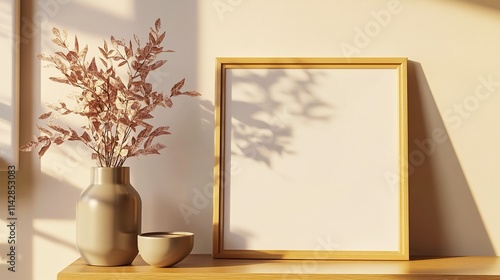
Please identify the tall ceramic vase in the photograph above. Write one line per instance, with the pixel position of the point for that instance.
(108, 218)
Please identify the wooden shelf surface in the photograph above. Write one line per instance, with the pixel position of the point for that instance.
(205, 267)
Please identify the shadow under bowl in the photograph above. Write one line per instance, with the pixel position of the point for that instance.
(162, 249)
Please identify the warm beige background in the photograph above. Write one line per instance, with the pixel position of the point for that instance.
(454, 87)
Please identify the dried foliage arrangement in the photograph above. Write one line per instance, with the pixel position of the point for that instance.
(116, 109)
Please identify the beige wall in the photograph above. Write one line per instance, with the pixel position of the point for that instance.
(454, 93)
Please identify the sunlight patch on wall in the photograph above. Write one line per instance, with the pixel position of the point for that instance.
(55, 232)
(3, 239)
(5, 129)
(4, 98)
(55, 238)
(126, 8)
(69, 163)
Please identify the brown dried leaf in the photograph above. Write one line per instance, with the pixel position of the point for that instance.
(64, 34)
(103, 62)
(114, 42)
(144, 116)
(160, 38)
(162, 130)
(42, 138)
(72, 56)
(56, 32)
(92, 67)
(158, 24)
(53, 107)
(137, 41)
(58, 42)
(74, 135)
(191, 93)
(61, 54)
(157, 65)
(177, 87)
(73, 78)
(77, 47)
(59, 129)
(28, 147)
(103, 52)
(85, 137)
(58, 140)
(83, 53)
(44, 116)
(152, 39)
(121, 42)
(144, 133)
(148, 142)
(44, 130)
(105, 46)
(168, 102)
(44, 148)
(97, 125)
(60, 80)
(42, 56)
(153, 149)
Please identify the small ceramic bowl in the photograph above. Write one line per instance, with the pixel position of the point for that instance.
(162, 249)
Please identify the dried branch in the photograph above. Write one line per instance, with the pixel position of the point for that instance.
(116, 110)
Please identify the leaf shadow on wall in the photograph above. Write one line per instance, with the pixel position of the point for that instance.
(262, 126)
(444, 218)
(262, 108)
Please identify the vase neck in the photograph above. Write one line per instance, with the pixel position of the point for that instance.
(115, 175)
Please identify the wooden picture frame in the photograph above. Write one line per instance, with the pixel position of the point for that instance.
(9, 83)
(311, 158)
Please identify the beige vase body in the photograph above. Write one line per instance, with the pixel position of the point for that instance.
(108, 218)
